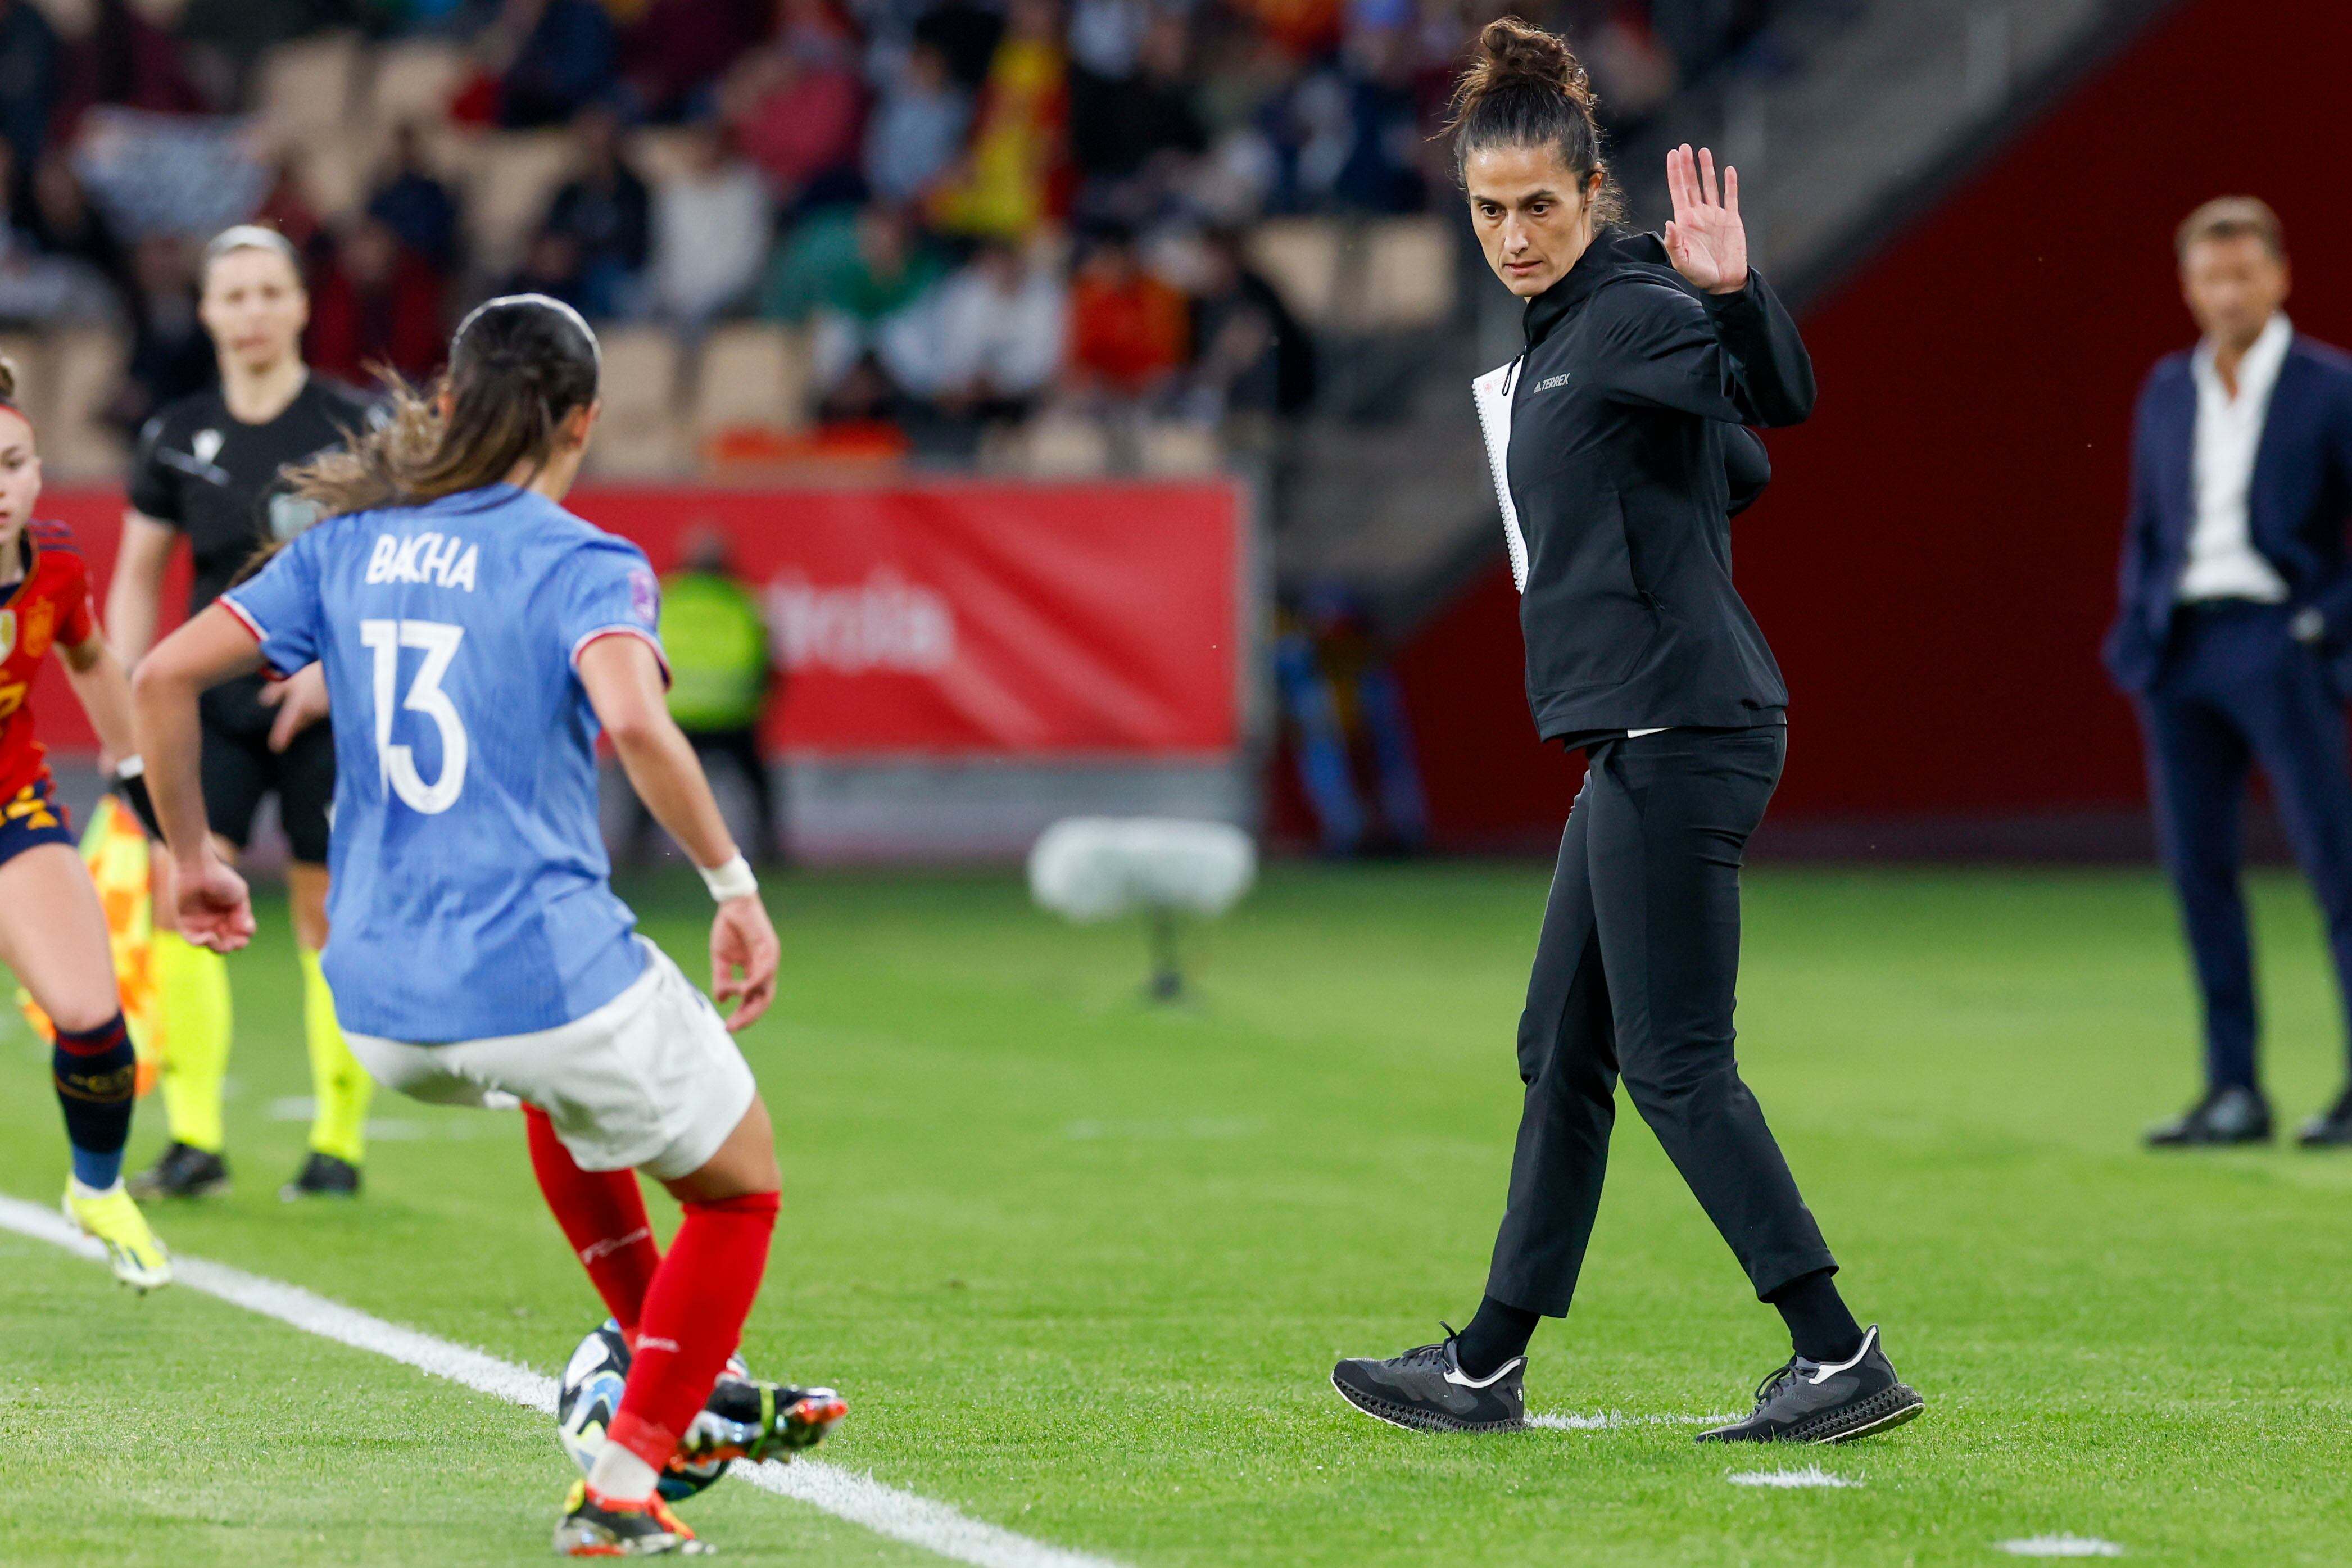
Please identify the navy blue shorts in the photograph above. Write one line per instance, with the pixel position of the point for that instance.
(34, 817)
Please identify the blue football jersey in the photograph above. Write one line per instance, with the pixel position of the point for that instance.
(470, 891)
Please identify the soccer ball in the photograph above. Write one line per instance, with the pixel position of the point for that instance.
(591, 1396)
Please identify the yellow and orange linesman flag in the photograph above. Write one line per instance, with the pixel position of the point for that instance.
(115, 849)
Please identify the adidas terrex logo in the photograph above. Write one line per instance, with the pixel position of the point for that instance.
(1548, 382)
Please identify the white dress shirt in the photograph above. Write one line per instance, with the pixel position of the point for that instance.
(2222, 560)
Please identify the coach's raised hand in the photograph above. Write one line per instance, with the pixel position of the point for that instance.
(1706, 239)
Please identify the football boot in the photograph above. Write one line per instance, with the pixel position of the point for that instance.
(137, 1259)
(593, 1526)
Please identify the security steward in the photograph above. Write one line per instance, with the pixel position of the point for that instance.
(721, 676)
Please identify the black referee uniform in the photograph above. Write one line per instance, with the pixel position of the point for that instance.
(219, 481)
(1610, 438)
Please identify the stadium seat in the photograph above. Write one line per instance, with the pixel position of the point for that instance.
(752, 375)
(85, 366)
(638, 433)
(1064, 446)
(414, 79)
(305, 87)
(515, 174)
(659, 154)
(334, 172)
(1408, 277)
(1300, 256)
(1176, 449)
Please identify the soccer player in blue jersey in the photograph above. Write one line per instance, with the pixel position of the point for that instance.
(476, 638)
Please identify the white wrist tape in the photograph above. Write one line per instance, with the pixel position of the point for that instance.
(732, 880)
(130, 768)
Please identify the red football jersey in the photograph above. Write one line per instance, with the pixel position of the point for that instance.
(51, 604)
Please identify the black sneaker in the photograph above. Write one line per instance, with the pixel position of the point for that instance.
(1817, 1401)
(2225, 1116)
(184, 1171)
(1426, 1390)
(2332, 1128)
(591, 1527)
(322, 1177)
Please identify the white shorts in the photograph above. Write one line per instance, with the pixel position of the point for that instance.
(651, 1080)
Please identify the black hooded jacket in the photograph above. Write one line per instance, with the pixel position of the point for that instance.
(1616, 442)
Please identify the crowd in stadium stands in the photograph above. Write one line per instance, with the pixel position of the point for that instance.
(972, 208)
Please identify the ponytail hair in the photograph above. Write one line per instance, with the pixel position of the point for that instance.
(518, 366)
(1525, 88)
(7, 383)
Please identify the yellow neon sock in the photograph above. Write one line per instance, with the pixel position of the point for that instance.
(192, 1004)
(341, 1085)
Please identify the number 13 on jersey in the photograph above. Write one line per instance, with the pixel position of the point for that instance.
(397, 764)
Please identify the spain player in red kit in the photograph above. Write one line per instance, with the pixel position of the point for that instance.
(52, 931)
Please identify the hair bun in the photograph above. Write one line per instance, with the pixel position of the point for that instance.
(1509, 51)
(7, 379)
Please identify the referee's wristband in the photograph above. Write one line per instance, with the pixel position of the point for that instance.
(732, 880)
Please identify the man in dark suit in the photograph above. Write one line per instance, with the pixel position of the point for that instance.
(2234, 635)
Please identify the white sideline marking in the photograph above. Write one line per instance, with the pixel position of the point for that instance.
(1610, 1420)
(2061, 1546)
(859, 1499)
(1811, 1476)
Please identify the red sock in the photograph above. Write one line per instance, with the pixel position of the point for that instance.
(603, 1216)
(693, 1320)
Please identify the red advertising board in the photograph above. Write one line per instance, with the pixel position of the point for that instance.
(956, 619)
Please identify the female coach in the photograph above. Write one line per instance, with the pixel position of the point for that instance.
(1609, 437)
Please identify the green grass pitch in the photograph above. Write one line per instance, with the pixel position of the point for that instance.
(1082, 1265)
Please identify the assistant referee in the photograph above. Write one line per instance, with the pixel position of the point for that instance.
(1609, 437)
(207, 468)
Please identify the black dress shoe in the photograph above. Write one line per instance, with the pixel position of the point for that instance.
(184, 1172)
(2224, 1116)
(2332, 1128)
(322, 1177)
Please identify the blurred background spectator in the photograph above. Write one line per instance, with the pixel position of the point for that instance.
(711, 225)
(676, 50)
(796, 105)
(28, 78)
(593, 243)
(559, 56)
(42, 279)
(888, 189)
(1128, 330)
(171, 354)
(917, 127)
(871, 308)
(376, 302)
(985, 346)
(414, 203)
(721, 681)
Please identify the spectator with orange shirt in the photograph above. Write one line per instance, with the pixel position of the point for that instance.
(1129, 330)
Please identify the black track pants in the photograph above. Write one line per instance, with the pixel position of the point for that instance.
(1634, 976)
